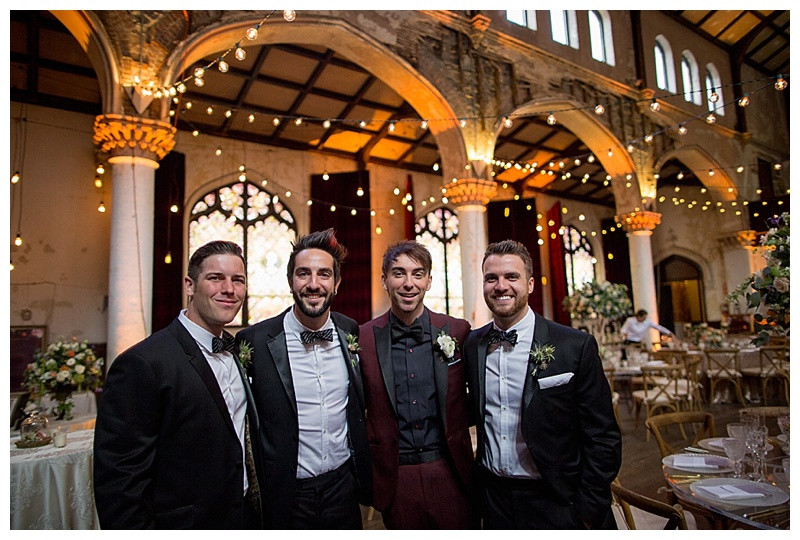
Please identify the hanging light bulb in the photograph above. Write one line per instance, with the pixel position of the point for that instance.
(168, 257)
(98, 183)
(325, 176)
(396, 191)
(648, 138)
(610, 153)
(630, 148)
(251, 118)
(210, 110)
(326, 124)
(680, 175)
(391, 127)
(188, 104)
(333, 208)
(101, 208)
(223, 66)
(218, 151)
(289, 15)
(15, 177)
(714, 97)
(174, 209)
(199, 72)
(195, 133)
(507, 122)
(11, 265)
(378, 230)
(240, 53)
(551, 119)
(228, 113)
(711, 118)
(682, 129)
(181, 88)
(655, 106)
(739, 169)
(424, 124)
(18, 240)
(745, 101)
(463, 122)
(435, 167)
(199, 82)
(781, 83)
(276, 121)
(252, 33)
(599, 109)
(298, 121)
(360, 192)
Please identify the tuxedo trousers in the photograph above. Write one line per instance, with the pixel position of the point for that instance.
(328, 501)
(428, 497)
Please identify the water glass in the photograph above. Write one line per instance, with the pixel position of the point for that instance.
(757, 444)
(736, 430)
(735, 450)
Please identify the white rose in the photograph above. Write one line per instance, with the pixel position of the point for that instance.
(71, 362)
(447, 345)
(63, 375)
(80, 368)
(781, 284)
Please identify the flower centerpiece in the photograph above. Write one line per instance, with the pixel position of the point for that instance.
(702, 335)
(597, 303)
(61, 369)
(767, 291)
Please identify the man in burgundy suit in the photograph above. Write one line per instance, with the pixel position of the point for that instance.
(415, 392)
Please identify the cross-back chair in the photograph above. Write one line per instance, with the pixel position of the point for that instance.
(723, 367)
(641, 512)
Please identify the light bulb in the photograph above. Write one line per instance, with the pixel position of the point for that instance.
(391, 127)
(378, 230)
(507, 122)
(276, 121)
(463, 123)
(353, 212)
(199, 72)
(252, 33)
(251, 118)
(682, 129)
(181, 88)
(15, 177)
(325, 175)
(100, 169)
(326, 124)
(551, 119)
(210, 110)
(599, 109)
(333, 208)
(195, 133)
(199, 82)
(11, 265)
(228, 113)
(360, 192)
(188, 105)
(423, 124)
(655, 106)
(223, 66)
(711, 118)
(101, 208)
(289, 15)
(240, 53)
(18, 240)
(396, 191)
(648, 139)
(218, 151)
(174, 208)
(781, 83)
(97, 182)
(298, 121)
(168, 257)
(362, 124)
(744, 102)
(714, 97)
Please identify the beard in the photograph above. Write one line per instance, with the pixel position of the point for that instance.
(309, 311)
(504, 312)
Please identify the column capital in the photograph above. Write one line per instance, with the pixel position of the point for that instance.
(639, 221)
(122, 135)
(470, 191)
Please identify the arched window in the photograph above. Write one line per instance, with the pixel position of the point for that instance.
(714, 86)
(665, 68)
(578, 260)
(255, 219)
(564, 27)
(690, 74)
(601, 36)
(438, 231)
(522, 17)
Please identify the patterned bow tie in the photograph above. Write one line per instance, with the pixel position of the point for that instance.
(308, 336)
(496, 336)
(401, 331)
(224, 343)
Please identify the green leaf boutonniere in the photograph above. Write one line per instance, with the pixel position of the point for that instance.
(353, 346)
(447, 346)
(245, 354)
(540, 355)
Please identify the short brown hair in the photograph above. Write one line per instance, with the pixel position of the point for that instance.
(324, 240)
(412, 249)
(216, 247)
(511, 247)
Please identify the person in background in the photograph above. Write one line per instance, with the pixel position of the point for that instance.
(171, 445)
(635, 328)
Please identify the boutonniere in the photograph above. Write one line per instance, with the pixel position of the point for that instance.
(447, 347)
(540, 355)
(353, 347)
(245, 354)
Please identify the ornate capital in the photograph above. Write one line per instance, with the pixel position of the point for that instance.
(639, 221)
(470, 191)
(122, 135)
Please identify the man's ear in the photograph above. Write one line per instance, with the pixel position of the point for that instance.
(188, 287)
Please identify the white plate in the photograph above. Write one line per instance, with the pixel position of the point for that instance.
(725, 464)
(782, 438)
(773, 495)
(714, 444)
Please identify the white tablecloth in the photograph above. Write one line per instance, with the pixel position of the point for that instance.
(84, 403)
(51, 488)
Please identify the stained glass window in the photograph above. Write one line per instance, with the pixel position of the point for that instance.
(255, 219)
(438, 231)
(578, 260)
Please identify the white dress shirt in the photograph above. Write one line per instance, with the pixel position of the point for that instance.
(635, 330)
(320, 378)
(506, 453)
(223, 364)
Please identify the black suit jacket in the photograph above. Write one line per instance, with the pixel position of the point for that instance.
(276, 404)
(166, 454)
(570, 429)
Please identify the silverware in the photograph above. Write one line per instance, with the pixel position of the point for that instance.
(770, 512)
(696, 450)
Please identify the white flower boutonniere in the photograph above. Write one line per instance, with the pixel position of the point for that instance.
(447, 347)
(353, 346)
(540, 355)
(245, 354)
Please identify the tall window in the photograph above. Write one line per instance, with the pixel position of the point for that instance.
(522, 17)
(714, 86)
(665, 70)
(601, 36)
(564, 27)
(438, 231)
(578, 260)
(690, 74)
(255, 219)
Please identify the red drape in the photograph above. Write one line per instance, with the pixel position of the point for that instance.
(410, 234)
(558, 275)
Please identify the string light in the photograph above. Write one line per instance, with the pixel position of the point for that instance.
(289, 15)
(252, 33)
(101, 208)
(599, 109)
(174, 209)
(714, 97)
(711, 118)
(15, 177)
(98, 183)
(745, 101)
(223, 67)
(18, 240)
(781, 83)
(240, 54)
(168, 257)
(551, 119)
(655, 106)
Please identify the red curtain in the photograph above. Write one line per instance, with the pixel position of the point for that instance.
(558, 275)
(410, 234)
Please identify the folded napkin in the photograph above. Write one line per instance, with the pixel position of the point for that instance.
(732, 493)
(698, 462)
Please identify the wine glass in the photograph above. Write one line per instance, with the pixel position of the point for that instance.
(735, 450)
(736, 430)
(757, 444)
(783, 425)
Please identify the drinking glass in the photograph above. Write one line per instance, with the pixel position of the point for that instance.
(735, 450)
(736, 430)
(783, 425)
(757, 444)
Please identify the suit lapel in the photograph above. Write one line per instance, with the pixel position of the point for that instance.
(350, 360)
(483, 345)
(439, 367)
(383, 350)
(541, 335)
(276, 343)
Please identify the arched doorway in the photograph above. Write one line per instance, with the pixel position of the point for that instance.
(680, 287)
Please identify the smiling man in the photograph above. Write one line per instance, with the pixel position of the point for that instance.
(307, 388)
(171, 438)
(548, 442)
(415, 389)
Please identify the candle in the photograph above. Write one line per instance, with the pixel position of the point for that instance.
(59, 438)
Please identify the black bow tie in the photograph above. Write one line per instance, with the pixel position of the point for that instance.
(225, 343)
(308, 336)
(401, 331)
(496, 336)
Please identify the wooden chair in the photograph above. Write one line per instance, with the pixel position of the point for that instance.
(609, 371)
(723, 367)
(772, 366)
(700, 423)
(657, 394)
(769, 416)
(637, 507)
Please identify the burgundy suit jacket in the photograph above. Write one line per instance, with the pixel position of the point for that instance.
(379, 389)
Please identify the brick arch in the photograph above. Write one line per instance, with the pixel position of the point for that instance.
(352, 43)
(699, 161)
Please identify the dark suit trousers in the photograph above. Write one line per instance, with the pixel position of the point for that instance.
(428, 497)
(523, 504)
(328, 501)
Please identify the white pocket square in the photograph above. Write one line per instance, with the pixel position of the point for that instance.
(555, 380)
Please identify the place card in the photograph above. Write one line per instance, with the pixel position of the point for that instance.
(732, 493)
(698, 462)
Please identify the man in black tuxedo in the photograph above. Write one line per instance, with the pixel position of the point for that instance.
(548, 442)
(171, 444)
(310, 400)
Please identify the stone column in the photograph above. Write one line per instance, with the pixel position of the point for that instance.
(135, 145)
(470, 197)
(639, 226)
(740, 261)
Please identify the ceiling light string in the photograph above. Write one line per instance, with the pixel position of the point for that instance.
(22, 143)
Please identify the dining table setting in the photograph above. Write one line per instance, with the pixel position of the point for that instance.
(742, 480)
